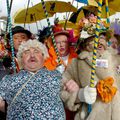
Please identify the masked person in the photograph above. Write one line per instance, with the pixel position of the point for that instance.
(66, 51)
(104, 96)
(33, 93)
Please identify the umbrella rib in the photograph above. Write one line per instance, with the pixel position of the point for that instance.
(26, 12)
(67, 16)
(35, 18)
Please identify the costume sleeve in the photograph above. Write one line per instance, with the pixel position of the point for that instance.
(69, 99)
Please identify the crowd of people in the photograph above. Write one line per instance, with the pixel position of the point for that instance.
(45, 88)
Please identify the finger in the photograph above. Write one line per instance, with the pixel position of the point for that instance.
(72, 82)
(64, 88)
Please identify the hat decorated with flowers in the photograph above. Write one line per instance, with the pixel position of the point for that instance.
(88, 26)
(59, 30)
(88, 29)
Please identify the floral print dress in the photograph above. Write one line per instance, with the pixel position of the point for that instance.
(38, 100)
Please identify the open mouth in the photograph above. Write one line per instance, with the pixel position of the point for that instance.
(100, 46)
(32, 60)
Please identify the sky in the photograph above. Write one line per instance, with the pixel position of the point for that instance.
(21, 4)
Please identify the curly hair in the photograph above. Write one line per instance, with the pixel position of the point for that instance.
(28, 44)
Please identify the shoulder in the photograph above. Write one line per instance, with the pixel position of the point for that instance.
(14, 76)
(50, 72)
(84, 55)
(112, 51)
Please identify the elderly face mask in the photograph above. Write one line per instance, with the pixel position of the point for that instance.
(102, 44)
(32, 59)
(34, 51)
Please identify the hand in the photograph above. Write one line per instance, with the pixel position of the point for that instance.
(71, 86)
(87, 94)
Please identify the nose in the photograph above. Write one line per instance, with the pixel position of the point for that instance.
(32, 54)
(61, 43)
(19, 39)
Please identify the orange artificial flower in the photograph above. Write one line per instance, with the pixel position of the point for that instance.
(105, 89)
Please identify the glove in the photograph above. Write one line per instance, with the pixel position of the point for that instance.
(87, 95)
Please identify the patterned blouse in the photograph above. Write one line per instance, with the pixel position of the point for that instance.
(38, 100)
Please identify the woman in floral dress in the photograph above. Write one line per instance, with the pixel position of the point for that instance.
(33, 93)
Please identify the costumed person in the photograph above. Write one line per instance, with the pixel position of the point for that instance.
(34, 92)
(66, 51)
(105, 96)
(19, 35)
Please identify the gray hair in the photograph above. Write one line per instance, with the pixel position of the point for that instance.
(31, 44)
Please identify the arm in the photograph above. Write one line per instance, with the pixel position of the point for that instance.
(69, 95)
(69, 98)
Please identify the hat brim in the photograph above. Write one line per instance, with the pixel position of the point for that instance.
(28, 33)
(85, 35)
(62, 33)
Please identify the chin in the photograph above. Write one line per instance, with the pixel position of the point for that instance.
(33, 70)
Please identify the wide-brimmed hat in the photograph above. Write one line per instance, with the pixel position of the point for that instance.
(91, 37)
(58, 30)
(62, 32)
(19, 29)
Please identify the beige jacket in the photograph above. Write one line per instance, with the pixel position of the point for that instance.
(80, 71)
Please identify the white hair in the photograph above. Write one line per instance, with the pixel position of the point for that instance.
(31, 44)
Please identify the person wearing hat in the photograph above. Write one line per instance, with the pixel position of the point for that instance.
(63, 39)
(19, 35)
(105, 95)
